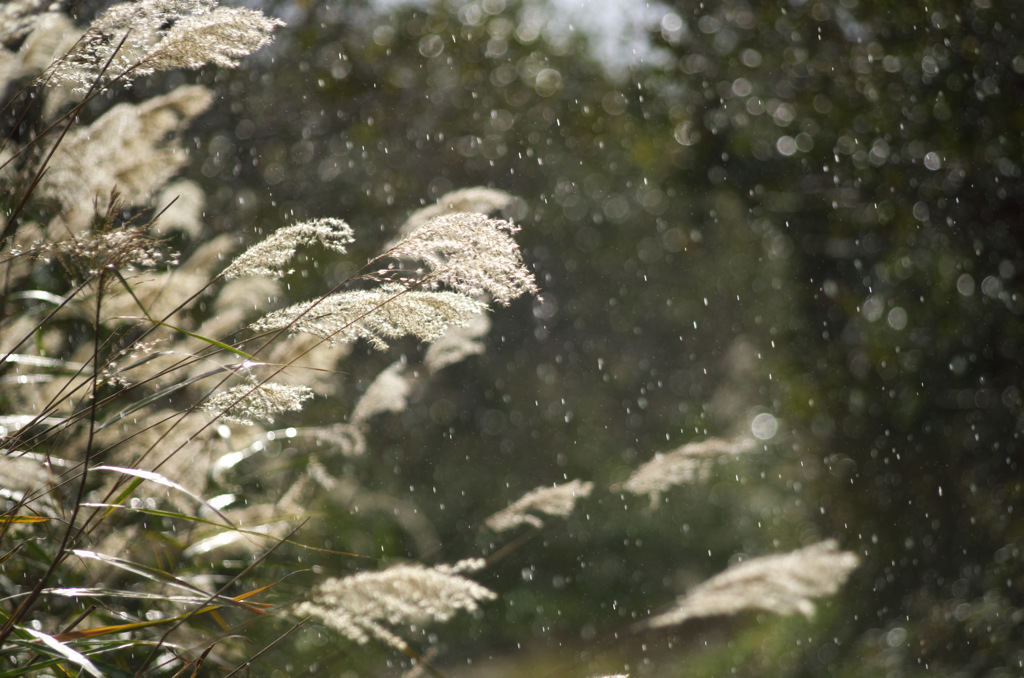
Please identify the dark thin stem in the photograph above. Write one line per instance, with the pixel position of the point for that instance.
(247, 662)
(213, 596)
(59, 556)
(12, 221)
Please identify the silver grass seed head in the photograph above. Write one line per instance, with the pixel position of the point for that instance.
(360, 605)
(135, 147)
(474, 199)
(19, 17)
(388, 392)
(558, 501)
(269, 257)
(183, 202)
(344, 439)
(139, 38)
(470, 253)
(248, 403)
(126, 249)
(458, 343)
(781, 584)
(378, 315)
(689, 463)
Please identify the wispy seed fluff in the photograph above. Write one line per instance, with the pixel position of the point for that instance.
(138, 38)
(256, 402)
(469, 253)
(559, 500)
(359, 606)
(388, 392)
(126, 248)
(388, 312)
(781, 584)
(269, 257)
(135, 147)
(457, 344)
(687, 464)
(474, 199)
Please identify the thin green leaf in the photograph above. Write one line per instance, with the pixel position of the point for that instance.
(154, 574)
(134, 626)
(23, 520)
(203, 521)
(169, 390)
(151, 573)
(132, 486)
(100, 592)
(159, 513)
(165, 481)
(42, 361)
(67, 652)
(33, 669)
(15, 422)
(208, 340)
(40, 295)
(91, 648)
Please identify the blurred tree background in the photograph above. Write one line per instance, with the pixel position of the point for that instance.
(808, 210)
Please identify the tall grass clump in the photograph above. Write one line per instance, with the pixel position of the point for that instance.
(155, 491)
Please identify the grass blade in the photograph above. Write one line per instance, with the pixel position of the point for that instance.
(67, 652)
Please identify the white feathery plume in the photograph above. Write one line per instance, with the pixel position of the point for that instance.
(559, 500)
(23, 474)
(388, 312)
(127, 249)
(687, 464)
(132, 147)
(19, 17)
(389, 392)
(139, 38)
(249, 402)
(360, 605)
(269, 256)
(48, 35)
(781, 584)
(474, 199)
(45, 36)
(346, 439)
(457, 344)
(470, 253)
(182, 202)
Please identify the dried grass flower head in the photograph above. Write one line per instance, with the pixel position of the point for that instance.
(125, 249)
(269, 257)
(252, 402)
(474, 199)
(358, 606)
(388, 392)
(457, 344)
(139, 38)
(135, 147)
(378, 315)
(18, 17)
(781, 584)
(470, 253)
(686, 464)
(559, 501)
